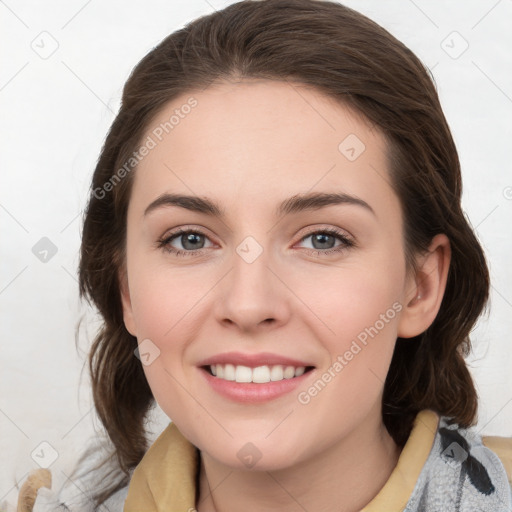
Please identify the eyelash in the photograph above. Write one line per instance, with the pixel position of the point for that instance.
(164, 243)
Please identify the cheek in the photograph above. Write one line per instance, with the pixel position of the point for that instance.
(166, 305)
(355, 313)
(353, 299)
(162, 299)
(161, 313)
(354, 316)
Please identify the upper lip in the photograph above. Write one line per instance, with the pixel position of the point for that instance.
(253, 360)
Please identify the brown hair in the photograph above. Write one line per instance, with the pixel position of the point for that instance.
(350, 58)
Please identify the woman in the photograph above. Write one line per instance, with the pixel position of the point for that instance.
(275, 241)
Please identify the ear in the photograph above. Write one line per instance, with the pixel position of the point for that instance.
(124, 289)
(425, 290)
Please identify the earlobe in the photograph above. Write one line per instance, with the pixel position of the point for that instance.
(127, 304)
(425, 294)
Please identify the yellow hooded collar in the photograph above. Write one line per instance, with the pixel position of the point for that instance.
(166, 479)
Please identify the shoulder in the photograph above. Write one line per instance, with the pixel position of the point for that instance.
(461, 474)
(502, 447)
(95, 472)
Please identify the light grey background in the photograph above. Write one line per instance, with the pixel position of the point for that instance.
(56, 109)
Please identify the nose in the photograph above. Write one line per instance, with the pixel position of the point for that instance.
(253, 295)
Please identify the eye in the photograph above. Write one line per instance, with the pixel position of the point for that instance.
(323, 240)
(191, 242)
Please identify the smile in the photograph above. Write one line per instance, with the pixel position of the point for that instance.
(259, 374)
(248, 385)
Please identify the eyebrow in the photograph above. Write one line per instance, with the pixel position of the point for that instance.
(294, 204)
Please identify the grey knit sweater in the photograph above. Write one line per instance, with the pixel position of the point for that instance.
(460, 475)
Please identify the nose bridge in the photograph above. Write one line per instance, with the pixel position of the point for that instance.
(251, 277)
(252, 293)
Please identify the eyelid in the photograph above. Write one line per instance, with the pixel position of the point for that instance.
(186, 228)
(175, 232)
(327, 229)
(203, 231)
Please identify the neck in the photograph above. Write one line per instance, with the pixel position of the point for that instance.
(343, 478)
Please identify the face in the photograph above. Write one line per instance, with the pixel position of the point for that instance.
(319, 284)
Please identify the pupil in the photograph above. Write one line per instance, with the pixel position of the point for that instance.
(319, 238)
(191, 237)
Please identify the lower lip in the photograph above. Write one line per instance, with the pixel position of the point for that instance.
(251, 392)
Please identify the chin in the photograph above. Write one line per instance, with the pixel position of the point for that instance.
(254, 456)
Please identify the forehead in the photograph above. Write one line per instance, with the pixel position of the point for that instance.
(261, 140)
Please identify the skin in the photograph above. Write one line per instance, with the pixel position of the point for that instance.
(249, 145)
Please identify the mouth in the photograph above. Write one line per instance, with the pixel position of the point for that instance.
(257, 375)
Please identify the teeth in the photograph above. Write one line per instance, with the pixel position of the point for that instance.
(260, 374)
(229, 372)
(243, 374)
(276, 373)
(299, 371)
